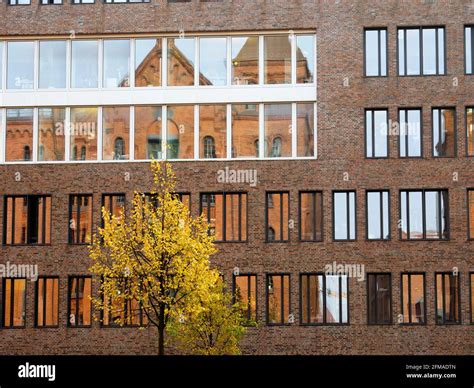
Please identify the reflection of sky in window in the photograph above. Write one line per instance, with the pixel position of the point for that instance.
(116, 62)
(340, 216)
(20, 65)
(468, 37)
(373, 215)
(186, 47)
(142, 48)
(52, 72)
(212, 60)
(84, 64)
(416, 214)
(380, 133)
(429, 51)
(413, 52)
(371, 53)
(432, 214)
(306, 45)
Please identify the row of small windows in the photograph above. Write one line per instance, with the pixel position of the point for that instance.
(409, 130)
(324, 300)
(424, 215)
(214, 131)
(421, 51)
(190, 61)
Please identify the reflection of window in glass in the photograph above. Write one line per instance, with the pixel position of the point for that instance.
(80, 219)
(245, 60)
(52, 64)
(378, 215)
(311, 216)
(148, 134)
(277, 54)
(278, 126)
(305, 129)
(116, 63)
(85, 64)
(410, 139)
(180, 140)
(79, 301)
(245, 130)
(447, 298)
(14, 299)
(277, 216)
(51, 138)
(20, 65)
(376, 52)
(27, 220)
(47, 300)
(180, 61)
(324, 299)
(424, 214)
(116, 129)
(19, 135)
(344, 211)
(245, 292)
(470, 205)
(413, 298)
(114, 204)
(213, 131)
(379, 294)
(469, 49)
(84, 132)
(304, 59)
(376, 133)
(212, 61)
(444, 132)
(148, 62)
(470, 131)
(278, 299)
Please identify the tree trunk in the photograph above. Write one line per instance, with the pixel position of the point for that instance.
(161, 331)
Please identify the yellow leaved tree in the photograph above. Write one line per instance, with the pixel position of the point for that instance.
(154, 259)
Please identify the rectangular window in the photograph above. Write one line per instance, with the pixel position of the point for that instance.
(213, 131)
(212, 61)
(80, 219)
(421, 51)
(277, 216)
(85, 64)
(245, 292)
(45, 2)
(344, 215)
(116, 130)
(226, 214)
(47, 301)
(376, 52)
(444, 132)
(51, 137)
(180, 138)
(114, 204)
(311, 216)
(245, 60)
(324, 299)
(52, 64)
(148, 62)
(410, 140)
(14, 302)
(27, 220)
(278, 125)
(20, 65)
(245, 131)
(469, 49)
(376, 133)
(470, 212)
(148, 132)
(447, 287)
(305, 146)
(278, 299)
(378, 215)
(413, 298)
(83, 1)
(181, 54)
(424, 215)
(19, 139)
(19, 2)
(277, 56)
(79, 301)
(305, 59)
(471, 294)
(379, 295)
(83, 134)
(116, 63)
(470, 131)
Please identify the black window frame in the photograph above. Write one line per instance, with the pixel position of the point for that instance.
(425, 317)
(249, 275)
(420, 29)
(10, 2)
(406, 110)
(471, 26)
(45, 278)
(12, 303)
(69, 300)
(459, 307)
(27, 197)
(440, 108)
(282, 307)
(376, 274)
(381, 192)
(50, 2)
(348, 218)
(372, 132)
(282, 226)
(241, 208)
(317, 212)
(379, 49)
(110, 196)
(423, 201)
(79, 198)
